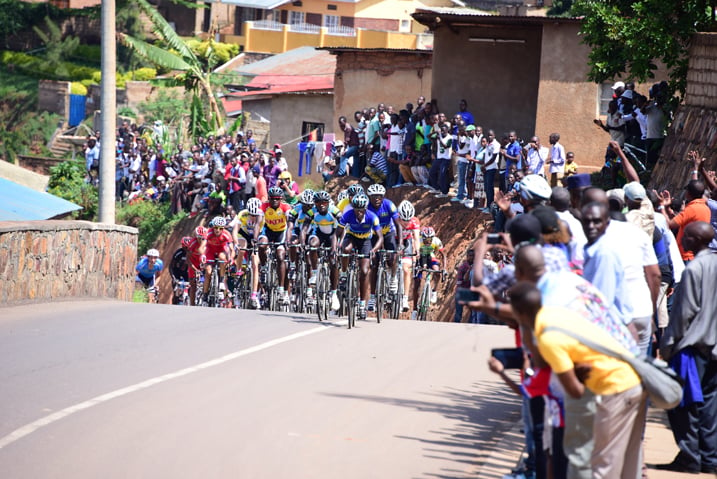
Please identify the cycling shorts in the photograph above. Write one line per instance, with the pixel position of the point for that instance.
(428, 262)
(274, 236)
(389, 241)
(324, 239)
(147, 281)
(249, 239)
(361, 245)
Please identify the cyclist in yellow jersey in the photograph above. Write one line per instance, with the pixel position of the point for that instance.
(353, 190)
(243, 226)
(429, 250)
(276, 226)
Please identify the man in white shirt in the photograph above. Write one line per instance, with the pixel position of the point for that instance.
(556, 160)
(535, 156)
(491, 169)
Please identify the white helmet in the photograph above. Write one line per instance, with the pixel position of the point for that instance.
(535, 188)
(253, 206)
(152, 253)
(307, 197)
(376, 189)
(343, 194)
(406, 211)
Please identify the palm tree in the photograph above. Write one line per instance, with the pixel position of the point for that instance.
(194, 74)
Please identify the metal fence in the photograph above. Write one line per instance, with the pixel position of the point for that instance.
(342, 30)
(267, 25)
(304, 28)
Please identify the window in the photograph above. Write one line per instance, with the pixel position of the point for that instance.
(311, 131)
(405, 26)
(604, 97)
(331, 21)
(296, 18)
(331, 7)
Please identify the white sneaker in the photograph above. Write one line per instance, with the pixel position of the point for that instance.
(371, 306)
(286, 299)
(414, 315)
(468, 204)
(255, 302)
(335, 305)
(309, 293)
(404, 303)
(434, 297)
(393, 285)
(222, 286)
(312, 279)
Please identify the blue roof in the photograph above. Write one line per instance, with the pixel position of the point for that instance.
(19, 203)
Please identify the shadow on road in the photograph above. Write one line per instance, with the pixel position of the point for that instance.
(485, 418)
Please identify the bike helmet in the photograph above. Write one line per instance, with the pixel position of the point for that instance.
(276, 192)
(322, 196)
(307, 197)
(219, 222)
(406, 211)
(535, 188)
(427, 232)
(355, 189)
(152, 253)
(253, 206)
(186, 241)
(376, 189)
(201, 232)
(343, 194)
(359, 201)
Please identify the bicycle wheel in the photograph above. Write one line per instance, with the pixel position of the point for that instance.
(299, 287)
(380, 291)
(424, 301)
(395, 307)
(272, 286)
(352, 298)
(321, 294)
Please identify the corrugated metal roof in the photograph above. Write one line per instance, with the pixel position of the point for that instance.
(427, 16)
(261, 4)
(375, 50)
(19, 203)
(296, 62)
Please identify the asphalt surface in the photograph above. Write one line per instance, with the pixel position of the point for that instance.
(118, 390)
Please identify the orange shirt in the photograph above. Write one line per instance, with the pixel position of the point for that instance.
(696, 210)
(261, 190)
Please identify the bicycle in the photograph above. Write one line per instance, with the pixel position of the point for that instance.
(424, 300)
(383, 277)
(323, 283)
(243, 289)
(215, 297)
(299, 282)
(271, 280)
(350, 297)
(180, 295)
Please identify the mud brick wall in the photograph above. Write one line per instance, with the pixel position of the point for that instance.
(54, 259)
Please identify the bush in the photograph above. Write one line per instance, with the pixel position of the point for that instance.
(144, 74)
(77, 88)
(153, 220)
(67, 180)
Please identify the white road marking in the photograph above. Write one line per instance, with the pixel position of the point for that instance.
(54, 417)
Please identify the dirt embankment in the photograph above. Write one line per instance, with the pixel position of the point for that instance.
(456, 225)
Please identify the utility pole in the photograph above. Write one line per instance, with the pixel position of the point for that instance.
(108, 108)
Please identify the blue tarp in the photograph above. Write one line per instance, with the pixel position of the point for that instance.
(77, 109)
(19, 203)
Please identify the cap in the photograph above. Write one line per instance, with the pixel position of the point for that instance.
(277, 146)
(581, 180)
(278, 151)
(548, 219)
(524, 228)
(470, 128)
(618, 84)
(285, 175)
(634, 191)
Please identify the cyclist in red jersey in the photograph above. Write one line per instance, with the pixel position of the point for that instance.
(219, 247)
(410, 240)
(196, 257)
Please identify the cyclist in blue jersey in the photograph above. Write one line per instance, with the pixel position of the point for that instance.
(148, 267)
(298, 216)
(320, 226)
(357, 227)
(391, 228)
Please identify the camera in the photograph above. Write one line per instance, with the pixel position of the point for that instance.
(281, 182)
(511, 358)
(494, 238)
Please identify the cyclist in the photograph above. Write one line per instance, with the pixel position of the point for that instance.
(243, 226)
(276, 225)
(178, 268)
(195, 259)
(353, 190)
(219, 247)
(430, 248)
(298, 216)
(387, 214)
(321, 227)
(147, 269)
(357, 227)
(411, 239)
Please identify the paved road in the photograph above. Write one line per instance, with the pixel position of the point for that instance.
(117, 390)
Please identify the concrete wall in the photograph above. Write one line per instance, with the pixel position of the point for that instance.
(365, 79)
(49, 260)
(498, 80)
(54, 96)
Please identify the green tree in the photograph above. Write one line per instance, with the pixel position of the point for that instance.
(629, 37)
(57, 49)
(194, 74)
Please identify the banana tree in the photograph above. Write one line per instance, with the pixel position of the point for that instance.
(191, 72)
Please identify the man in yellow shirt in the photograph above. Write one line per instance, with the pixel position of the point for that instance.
(621, 408)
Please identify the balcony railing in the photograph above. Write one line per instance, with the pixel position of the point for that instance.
(341, 30)
(304, 28)
(267, 25)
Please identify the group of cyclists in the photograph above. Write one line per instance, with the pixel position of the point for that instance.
(361, 222)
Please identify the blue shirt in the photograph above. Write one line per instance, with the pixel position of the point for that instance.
(362, 230)
(605, 271)
(513, 149)
(387, 213)
(145, 271)
(467, 117)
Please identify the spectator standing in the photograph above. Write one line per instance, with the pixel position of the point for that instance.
(439, 169)
(351, 142)
(465, 114)
(696, 209)
(690, 344)
(360, 161)
(490, 165)
(463, 149)
(513, 154)
(535, 156)
(92, 160)
(463, 280)
(556, 159)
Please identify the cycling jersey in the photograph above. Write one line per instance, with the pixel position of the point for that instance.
(298, 215)
(218, 243)
(276, 220)
(194, 258)
(430, 249)
(145, 271)
(387, 214)
(247, 223)
(344, 205)
(326, 223)
(413, 224)
(362, 230)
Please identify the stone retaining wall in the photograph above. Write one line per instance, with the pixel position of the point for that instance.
(46, 260)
